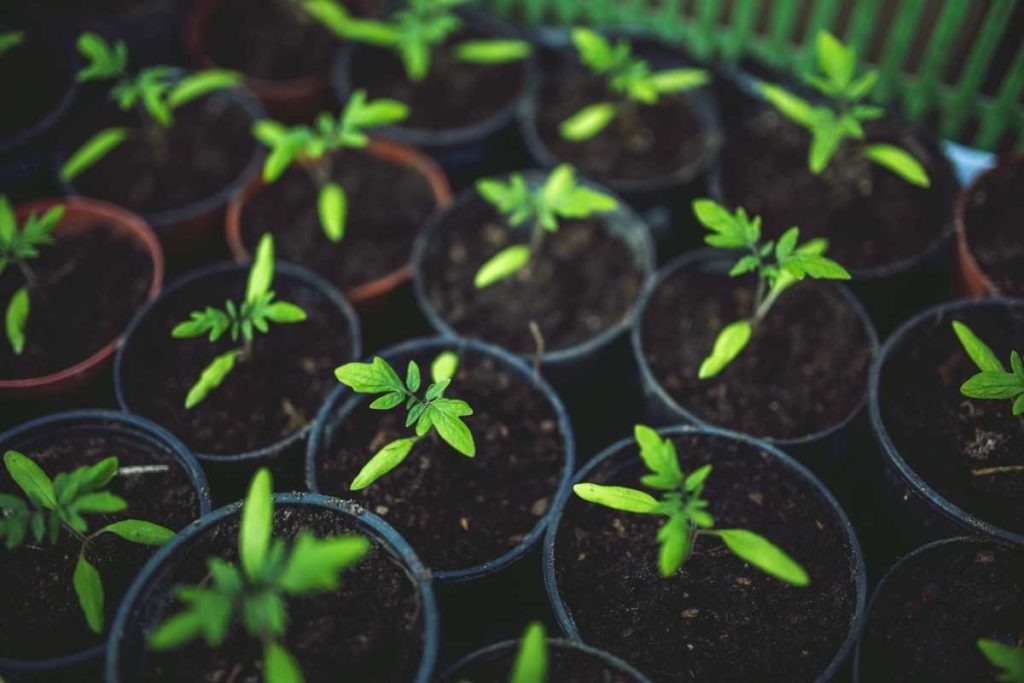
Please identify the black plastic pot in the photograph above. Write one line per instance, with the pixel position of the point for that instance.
(614, 454)
(127, 428)
(150, 596)
(230, 472)
(917, 512)
(459, 150)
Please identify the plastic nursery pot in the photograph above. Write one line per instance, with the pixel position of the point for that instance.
(931, 607)
(601, 570)
(938, 447)
(568, 662)
(262, 412)
(82, 217)
(61, 442)
(182, 561)
(987, 223)
(479, 134)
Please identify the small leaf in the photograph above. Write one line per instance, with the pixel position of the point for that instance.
(531, 663)
(900, 162)
(495, 51)
(452, 429)
(1009, 659)
(284, 312)
(504, 264)
(674, 541)
(139, 531)
(89, 589)
(176, 631)
(257, 524)
(211, 378)
(696, 479)
(314, 564)
(617, 497)
(679, 80)
(730, 342)
(412, 376)
(261, 272)
(369, 378)
(763, 554)
(10, 40)
(588, 122)
(385, 460)
(992, 385)
(31, 479)
(444, 366)
(835, 59)
(201, 83)
(976, 349)
(594, 50)
(279, 666)
(94, 149)
(332, 205)
(792, 107)
(16, 320)
(388, 401)
(99, 502)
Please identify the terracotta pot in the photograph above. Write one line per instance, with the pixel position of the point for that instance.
(383, 149)
(81, 214)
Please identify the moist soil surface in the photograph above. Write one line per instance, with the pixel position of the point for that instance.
(804, 370)
(642, 143)
(956, 444)
(369, 629)
(388, 203)
(925, 623)
(582, 281)
(79, 304)
(718, 618)
(205, 150)
(39, 80)
(453, 94)
(40, 615)
(455, 511)
(871, 216)
(566, 665)
(992, 220)
(268, 396)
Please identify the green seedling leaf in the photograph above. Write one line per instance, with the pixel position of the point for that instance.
(531, 663)
(201, 83)
(593, 49)
(679, 80)
(444, 367)
(900, 162)
(763, 554)
(588, 122)
(836, 60)
(279, 666)
(385, 460)
(31, 479)
(211, 378)
(792, 107)
(89, 589)
(492, 51)
(257, 524)
(617, 498)
(10, 40)
(733, 338)
(94, 149)
(993, 385)
(332, 207)
(976, 349)
(139, 531)
(261, 273)
(315, 565)
(445, 416)
(502, 265)
(16, 320)
(675, 541)
(1010, 660)
(105, 61)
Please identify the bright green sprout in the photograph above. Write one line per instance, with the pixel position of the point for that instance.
(686, 512)
(432, 412)
(313, 145)
(531, 665)
(993, 381)
(1009, 659)
(240, 320)
(417, 32)
(17, 248)
(154, 93)
(779, 265)
(60, 505)
(832, 126)
(254, 594)
(629, 79)
(541, 208)
(10, 40)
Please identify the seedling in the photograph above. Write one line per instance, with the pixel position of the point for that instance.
(541, 208)
(778, 265)
(683, 505)
(154, 93)
(10, 40)
(834, 127)
(60, 505)
(241, 321)
(993, 381)
(1010, 660)
(255, 594)
(313, 146)
(630, 82)
(531, 664)
(432, 414)
(17, 248)
(418, 32)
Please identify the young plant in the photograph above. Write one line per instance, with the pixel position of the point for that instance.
(531, 664)
(686, 513)
(59, 506)
(431, 414)
(630, 82)
(313, 146)
(418, 32)
(993, 381)
(243, 320)
(1010, 660)
(17, 248)
(154, 93)
(10, 40)
(255, 594)
(559, 197)
(778, 265)
(835, 126)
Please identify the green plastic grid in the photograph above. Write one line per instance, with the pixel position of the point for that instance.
(922, 39)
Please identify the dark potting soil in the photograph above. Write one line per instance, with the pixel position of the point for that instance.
(925, 624)
(871, 216)
(369, 629)
(271, 39)
(206, 149)
(38, 78)
(953, 442)
(582, 281)
(388, 203)
(80, 304)
(272, 394)
(566, 665)
(804, 370)
(454, 94)
(992, 220)
(642, 143)
(455, 511)
(718, 618)
(40, 615)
